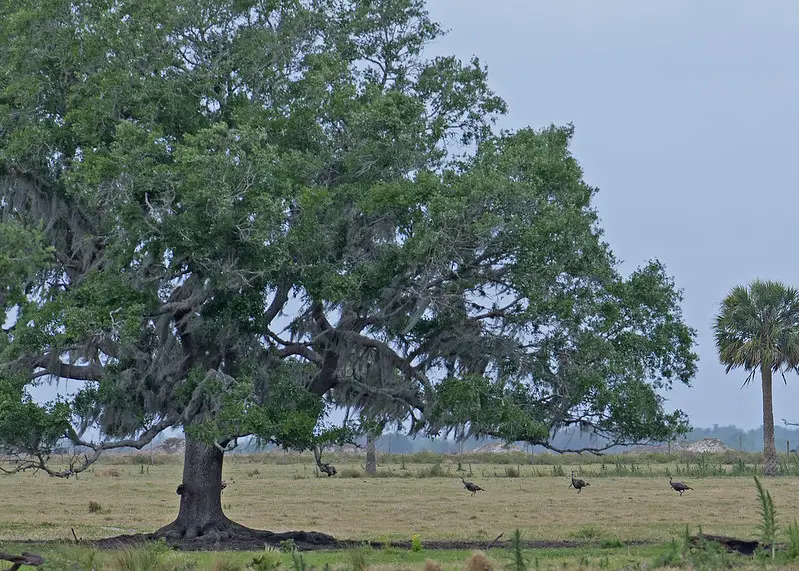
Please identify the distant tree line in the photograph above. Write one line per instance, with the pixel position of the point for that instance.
(750, 440)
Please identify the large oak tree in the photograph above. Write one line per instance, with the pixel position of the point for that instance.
(242, 212)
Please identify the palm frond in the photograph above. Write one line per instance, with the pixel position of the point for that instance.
(758, 325)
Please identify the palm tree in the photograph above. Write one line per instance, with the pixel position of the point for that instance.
(758, 329)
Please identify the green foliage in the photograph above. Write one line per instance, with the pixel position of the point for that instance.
(416, 543)
(230, 226)
(288, 546)
(768, 519)
(23, 254)
(298, 561)
(793, 541)
(517, 547)
(759, 325)
(269, 560)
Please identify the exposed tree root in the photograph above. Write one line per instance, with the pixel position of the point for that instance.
(247, 539)
(240, 539)
(224, 534)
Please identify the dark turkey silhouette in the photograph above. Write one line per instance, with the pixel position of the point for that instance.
(471, 486)
(179, 491)
(578, 483)
(679, 486)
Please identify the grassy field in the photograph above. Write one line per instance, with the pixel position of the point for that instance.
(158, 559)
(412, 498)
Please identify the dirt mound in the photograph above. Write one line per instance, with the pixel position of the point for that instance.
(711, 445)
(254, 541)
(496, 448)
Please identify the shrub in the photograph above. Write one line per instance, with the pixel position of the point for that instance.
(768, 521)
(479, 562)
(434, 471)
(269, 560)
(95, 507)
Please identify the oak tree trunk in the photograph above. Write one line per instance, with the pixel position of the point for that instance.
(769, 449)
(201, 519)
(200, 492)
(371, 456)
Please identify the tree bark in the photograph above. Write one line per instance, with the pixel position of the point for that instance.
(769, 449)
(200, 493)
(371, 456)
(201, 519)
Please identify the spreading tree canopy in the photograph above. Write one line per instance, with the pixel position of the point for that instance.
(229, 215)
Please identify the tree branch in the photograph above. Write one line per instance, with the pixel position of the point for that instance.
(90, 372)
(279, 301)
(78, 464)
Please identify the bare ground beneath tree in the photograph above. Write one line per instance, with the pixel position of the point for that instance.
(312, 540)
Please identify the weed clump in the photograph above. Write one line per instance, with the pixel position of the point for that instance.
(416, 543)
(479, 562)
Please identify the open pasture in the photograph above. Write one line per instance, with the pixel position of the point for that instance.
(424, 499)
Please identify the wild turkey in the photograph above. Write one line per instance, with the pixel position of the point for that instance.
(578, 483)
(679, 486)
(471, 486)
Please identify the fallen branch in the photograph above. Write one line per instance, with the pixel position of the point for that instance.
(327, 468)
(742, 546)
(493, 543)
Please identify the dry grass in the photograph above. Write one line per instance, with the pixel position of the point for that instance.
(286, 497)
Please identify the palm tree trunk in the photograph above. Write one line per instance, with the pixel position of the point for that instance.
(769, 449)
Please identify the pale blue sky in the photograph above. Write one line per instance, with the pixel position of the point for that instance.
(686, 118)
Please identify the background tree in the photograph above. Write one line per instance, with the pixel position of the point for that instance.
(259, 210)
(758, 329)
(373, 429)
